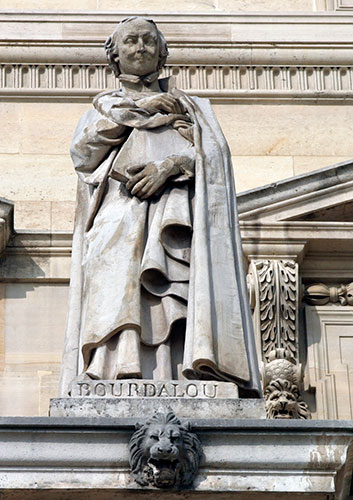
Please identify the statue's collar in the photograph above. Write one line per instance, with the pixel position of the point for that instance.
(146, 79)
(166, 84)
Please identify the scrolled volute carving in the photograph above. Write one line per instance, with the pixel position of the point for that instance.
(319, 294)
(282, 380)
(164, 453)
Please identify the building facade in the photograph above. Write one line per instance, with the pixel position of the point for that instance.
(279, 75)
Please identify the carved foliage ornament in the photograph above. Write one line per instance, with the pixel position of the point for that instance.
(164, 452)
(276, 282)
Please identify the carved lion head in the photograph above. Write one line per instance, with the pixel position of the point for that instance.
(164, 452)
(283, 401)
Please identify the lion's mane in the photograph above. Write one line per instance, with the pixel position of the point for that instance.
(190, 451)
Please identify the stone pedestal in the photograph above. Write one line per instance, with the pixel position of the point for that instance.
(140, 398)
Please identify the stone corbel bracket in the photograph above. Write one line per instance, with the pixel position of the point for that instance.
(6, 222)
(275, 301)
(274, 298)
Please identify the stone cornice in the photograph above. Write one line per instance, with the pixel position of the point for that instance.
(290, 198)
(243, 426)
(48, 455)
(254, 56)
(177, 17)
(248, 34)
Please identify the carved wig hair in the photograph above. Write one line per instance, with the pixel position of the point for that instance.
(112, 51)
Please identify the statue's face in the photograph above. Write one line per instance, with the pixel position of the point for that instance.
(138, 46)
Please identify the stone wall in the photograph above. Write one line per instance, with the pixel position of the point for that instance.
(268, 141)
(281, 85)
(151, 6)
(146, 6)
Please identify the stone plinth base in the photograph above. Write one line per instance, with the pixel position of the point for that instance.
(135, 398)
(145, 407)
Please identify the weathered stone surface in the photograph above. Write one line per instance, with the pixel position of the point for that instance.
(264, 170)
(142, 407)
(32, 321)
(210, 6)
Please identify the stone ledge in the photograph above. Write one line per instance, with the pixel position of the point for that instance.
(334, 176)
(111, 493)
(238, 426)
(47, 455)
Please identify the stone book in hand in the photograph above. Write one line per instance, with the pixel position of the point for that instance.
(145, 146)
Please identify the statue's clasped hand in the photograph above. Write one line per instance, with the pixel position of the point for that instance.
(147, 179)
(161, 103)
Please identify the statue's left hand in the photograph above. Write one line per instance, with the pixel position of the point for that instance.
(147, 179)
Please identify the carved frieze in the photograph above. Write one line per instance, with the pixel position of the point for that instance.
(226, 80)
(164, 453)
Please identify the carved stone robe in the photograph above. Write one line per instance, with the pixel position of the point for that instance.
(171, 260)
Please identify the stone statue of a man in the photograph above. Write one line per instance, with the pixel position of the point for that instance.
(157, 287)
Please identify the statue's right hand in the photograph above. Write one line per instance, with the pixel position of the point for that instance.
(147, 179)
(164, 103)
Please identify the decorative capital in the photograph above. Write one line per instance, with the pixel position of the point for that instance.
(164, 453)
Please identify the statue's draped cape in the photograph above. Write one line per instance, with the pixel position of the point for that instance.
(219, 341)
